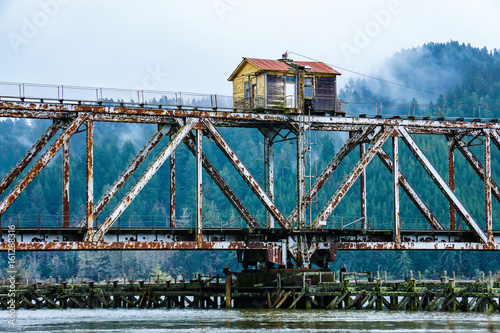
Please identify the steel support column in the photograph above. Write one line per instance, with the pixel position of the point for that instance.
(245, 174)
(395, 184)
(30, 154)
(90, 181)
(199, 187)
(144, 179)
(362, 179)
(487, 186)
(301, 173)
(65, 182)
(349, 180)
(172, 188)
(41, 163)
(451, 181)
(442, 185)
(348, 146)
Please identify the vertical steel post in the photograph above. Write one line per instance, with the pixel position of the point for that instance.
(395, 181)
(199, 191)
(172, 188)
(301, 183)
(90, 178)
(487, 186)
(227, 286)
(65, 182)
(269, 172)
(451, 181)
(362, 150)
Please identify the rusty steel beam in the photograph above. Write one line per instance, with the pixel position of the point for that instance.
(65, 196)
(451, 181)
(172, 189)
(442, 185)
(269, 170)
(245, 174)
(362, 179)
(41, 162)
(348, 146)
(301, 173)
(12, 109)
(228, 192)
(90, 181)
(379, 139)
(410, 191)
(487, 186)
(146, 245)
(128, 172)
(395, 189)
(476, 165)
(244, 245)
(26, 113)
(30, 154)
(199, 185)
(144, 179)
(417, 246)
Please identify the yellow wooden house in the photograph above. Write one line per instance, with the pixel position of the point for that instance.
(285, 85)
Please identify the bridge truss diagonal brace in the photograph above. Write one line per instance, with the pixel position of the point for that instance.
(128, 172)
(476, 164)
(144, 179)
(252, 222)
(348, 146)
(410, 191)
(245, 174)
(42, 162)
(377, 142)
(30, 154)
(441, 183)
(496, 138)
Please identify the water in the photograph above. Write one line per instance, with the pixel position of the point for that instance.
(187, 320)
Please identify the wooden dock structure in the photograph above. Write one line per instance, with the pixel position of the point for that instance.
(285, 289)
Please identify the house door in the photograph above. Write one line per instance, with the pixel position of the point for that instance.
(254, 96)
(290, 92)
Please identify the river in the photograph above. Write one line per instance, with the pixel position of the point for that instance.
(187, 320)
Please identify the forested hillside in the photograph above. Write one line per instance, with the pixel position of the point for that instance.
(459, 79)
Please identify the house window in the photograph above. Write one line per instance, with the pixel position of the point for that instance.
(308, 87)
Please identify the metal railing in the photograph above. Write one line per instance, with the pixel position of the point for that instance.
(96, 95)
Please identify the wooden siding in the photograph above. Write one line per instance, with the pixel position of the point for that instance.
(239, 86)
(325, 93)
(261, 90)
(275, 91)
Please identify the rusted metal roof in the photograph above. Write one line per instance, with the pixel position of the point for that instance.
(269, 65)
(318, 67)
(276, 65)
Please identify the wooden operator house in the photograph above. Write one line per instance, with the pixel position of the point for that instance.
(285, 86)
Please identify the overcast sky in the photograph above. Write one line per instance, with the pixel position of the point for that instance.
(194, 45)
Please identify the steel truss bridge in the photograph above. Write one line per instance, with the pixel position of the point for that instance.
(281, 239)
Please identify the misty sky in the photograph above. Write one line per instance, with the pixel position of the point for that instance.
(194, 45)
